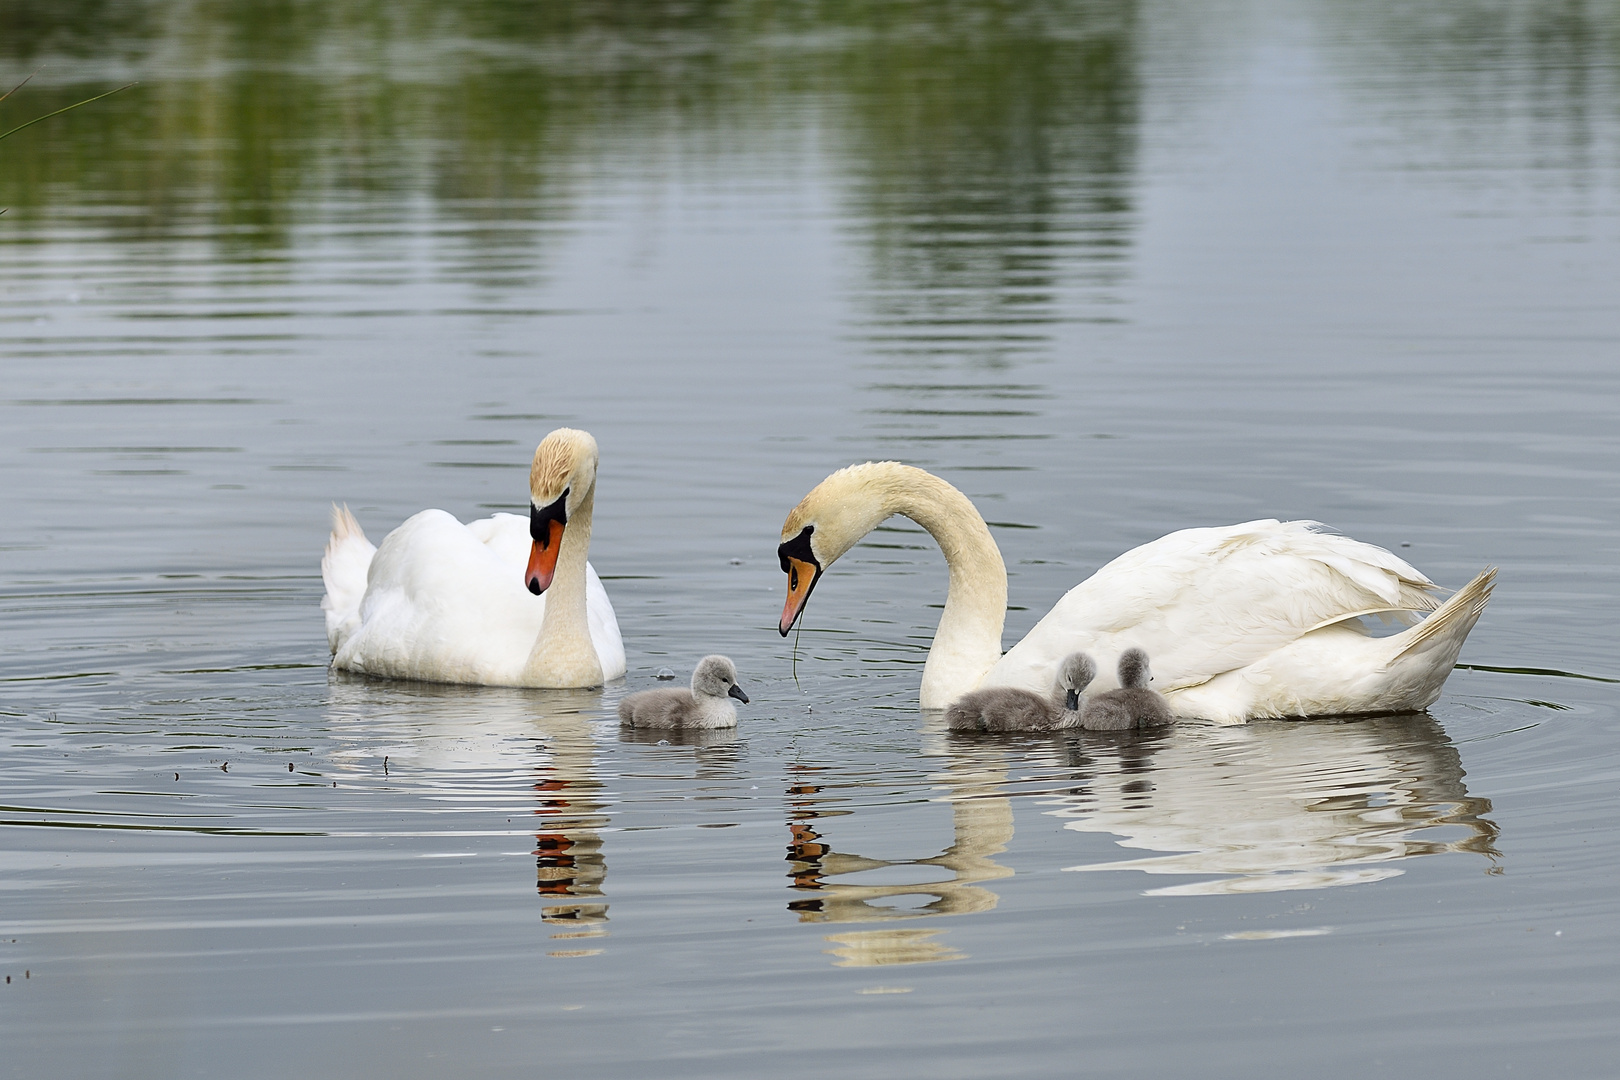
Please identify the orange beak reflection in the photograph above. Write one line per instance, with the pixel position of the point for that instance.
(801, 579)
(543, 558)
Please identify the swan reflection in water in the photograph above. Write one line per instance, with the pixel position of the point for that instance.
(467, 746)
(458, 750)
(1278, 805)
(568, 859)
(982, 826)
(1270, 806)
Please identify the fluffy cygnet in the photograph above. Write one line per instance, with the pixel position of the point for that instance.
(705, 706)
(1004, 708)
(1131, 706)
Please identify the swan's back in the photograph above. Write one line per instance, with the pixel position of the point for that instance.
(1206, 601)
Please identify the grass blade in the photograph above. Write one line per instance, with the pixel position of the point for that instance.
(58, 112)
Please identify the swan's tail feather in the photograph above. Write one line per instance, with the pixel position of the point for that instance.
(1453, 619)
(343, 569)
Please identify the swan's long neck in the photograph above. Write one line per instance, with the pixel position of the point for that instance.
(563, 654)
(968, 641)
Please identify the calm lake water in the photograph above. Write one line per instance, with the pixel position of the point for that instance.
(1113, 268)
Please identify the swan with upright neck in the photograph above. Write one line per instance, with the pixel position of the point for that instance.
(1260, 619)
(499, 602)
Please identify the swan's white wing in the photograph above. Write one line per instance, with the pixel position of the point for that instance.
(1207, 601)
(604, 626)
(507, 535)
(442, 605)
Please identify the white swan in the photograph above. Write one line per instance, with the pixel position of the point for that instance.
(1242, 621)
(445, 602)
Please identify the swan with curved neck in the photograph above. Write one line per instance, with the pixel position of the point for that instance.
(1243, 621)
(500, 601)
(851, 503)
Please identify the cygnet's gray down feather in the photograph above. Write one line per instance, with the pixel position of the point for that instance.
(705, 705)
(1005, 708)
(1131, 706)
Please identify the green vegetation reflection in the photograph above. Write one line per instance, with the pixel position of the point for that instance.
(981, 141)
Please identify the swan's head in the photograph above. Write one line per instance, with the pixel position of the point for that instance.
(828, 522)
(716, 676)
(561, 480)
(1074, 675)
(1133, 669)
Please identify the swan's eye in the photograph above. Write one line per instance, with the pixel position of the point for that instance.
(793, 579)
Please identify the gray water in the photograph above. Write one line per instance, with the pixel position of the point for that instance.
(1112, 268)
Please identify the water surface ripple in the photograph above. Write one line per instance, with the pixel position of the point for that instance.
(1113, 267)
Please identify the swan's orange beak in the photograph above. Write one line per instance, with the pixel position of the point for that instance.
(543, 557)
(801, 579)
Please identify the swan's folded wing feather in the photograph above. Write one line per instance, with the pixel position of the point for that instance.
(443, 605)
(604, 626)
(1206, 601)
(507, 535)
(447, 603)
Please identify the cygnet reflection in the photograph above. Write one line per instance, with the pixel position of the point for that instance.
(703, 738)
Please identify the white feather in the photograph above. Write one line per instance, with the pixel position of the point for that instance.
(1251, 620)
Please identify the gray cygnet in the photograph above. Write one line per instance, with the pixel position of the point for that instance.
(1133, 705)
(706, 706)
(1005, 708)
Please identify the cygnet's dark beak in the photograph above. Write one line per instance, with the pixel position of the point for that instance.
(737, 692)
(1071, 700)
